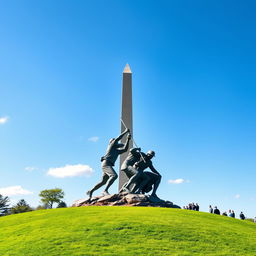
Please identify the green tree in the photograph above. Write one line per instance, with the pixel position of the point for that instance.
(51, 196)
(4, 205)
(62, 204)
(41, 207)
(21, 206)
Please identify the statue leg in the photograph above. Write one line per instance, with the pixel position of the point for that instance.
(145, 180)
(135, 188)
(134, 178)
(103, 181)
(156, 185)
(129, 173)
(112, 177)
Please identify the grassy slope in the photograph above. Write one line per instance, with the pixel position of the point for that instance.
(124, 231)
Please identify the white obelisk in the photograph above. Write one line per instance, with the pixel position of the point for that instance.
(126, 116)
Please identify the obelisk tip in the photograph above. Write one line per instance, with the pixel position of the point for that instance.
(127, 69)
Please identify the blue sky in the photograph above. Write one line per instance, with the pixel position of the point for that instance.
(193, 65)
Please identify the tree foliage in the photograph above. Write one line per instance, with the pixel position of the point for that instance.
(51, 196)
(62, 204)
(4, 205)
(41, 207)
(21, 206)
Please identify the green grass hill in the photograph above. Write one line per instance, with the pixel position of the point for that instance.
(133, 231)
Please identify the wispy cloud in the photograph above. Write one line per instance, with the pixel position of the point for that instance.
(4, 119)
(237, 196)
(14, 191)
(30, 168)
(70, 171)
(94, 139)
(178, 181)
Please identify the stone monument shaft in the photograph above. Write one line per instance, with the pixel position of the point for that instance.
(126, 116)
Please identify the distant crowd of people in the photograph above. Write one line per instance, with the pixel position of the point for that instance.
(230, 213)
(192, 206)
(215, 210)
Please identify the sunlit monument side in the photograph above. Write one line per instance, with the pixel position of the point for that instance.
(126, 117)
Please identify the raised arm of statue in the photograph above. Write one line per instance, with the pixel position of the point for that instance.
(121, 135)
(125, 148)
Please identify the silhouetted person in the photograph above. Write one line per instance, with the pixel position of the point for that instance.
(197, 207)
(242, 217)
(210, 209)
(232, 214)
(216, 210)
(224, 214)
(114, 149)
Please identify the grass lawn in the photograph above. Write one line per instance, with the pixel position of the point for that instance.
(133, 231)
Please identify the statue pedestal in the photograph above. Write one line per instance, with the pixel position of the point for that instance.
(125, 199)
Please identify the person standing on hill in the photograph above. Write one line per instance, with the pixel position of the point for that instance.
(232, 214)
(108, 161)
(210, 209)
(216, 210)
(242, 217)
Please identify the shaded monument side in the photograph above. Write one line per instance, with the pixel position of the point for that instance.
(126, 116)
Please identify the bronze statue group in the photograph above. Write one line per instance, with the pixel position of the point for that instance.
(134, 166)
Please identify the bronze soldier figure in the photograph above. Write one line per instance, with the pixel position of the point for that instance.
(144, 181)
(114, 149)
